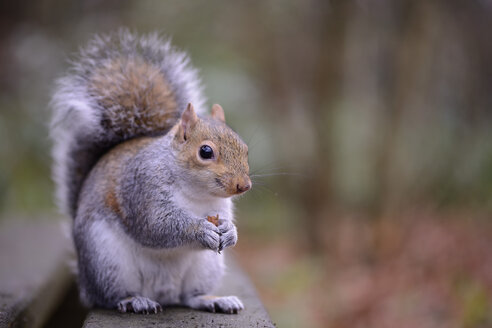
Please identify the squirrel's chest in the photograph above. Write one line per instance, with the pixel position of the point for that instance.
(200, 206)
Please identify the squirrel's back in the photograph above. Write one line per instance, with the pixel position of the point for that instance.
(119, 87)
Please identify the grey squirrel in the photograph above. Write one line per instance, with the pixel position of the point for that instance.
(140, 171)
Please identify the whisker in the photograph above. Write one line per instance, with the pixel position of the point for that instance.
(264, 188)
(275, 174)
(257, 183)
(270, 163)
(267, 170)
(252, 136)
(269, 166)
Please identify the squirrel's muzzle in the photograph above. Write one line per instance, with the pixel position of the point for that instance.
(243, 185)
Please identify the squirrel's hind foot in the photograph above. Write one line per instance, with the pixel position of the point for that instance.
(139, 304)
(223, 304)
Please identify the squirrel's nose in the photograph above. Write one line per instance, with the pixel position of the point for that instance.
(244, 186)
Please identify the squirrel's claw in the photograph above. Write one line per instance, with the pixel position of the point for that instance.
(228, 236)
(139, 304)
(208, 235)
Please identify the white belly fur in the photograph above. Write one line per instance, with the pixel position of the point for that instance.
(164, 275)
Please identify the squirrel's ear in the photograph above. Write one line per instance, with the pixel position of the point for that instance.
(188, 121)
(218, 113)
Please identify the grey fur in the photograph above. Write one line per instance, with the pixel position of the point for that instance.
(153, 220)
(140, 228)
(77, 128)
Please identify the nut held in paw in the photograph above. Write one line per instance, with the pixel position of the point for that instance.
(214, 220)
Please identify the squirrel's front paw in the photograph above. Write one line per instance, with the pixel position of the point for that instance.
(208, 235)
(139, 304)
(228, 234)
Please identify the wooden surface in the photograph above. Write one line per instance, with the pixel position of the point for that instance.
(34, 279)
(33, 271)
(235, 283)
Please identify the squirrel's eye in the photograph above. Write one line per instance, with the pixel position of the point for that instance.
(206, 152)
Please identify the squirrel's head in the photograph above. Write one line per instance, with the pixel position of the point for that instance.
(213, 155)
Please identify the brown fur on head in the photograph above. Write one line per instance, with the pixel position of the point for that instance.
(214, 156)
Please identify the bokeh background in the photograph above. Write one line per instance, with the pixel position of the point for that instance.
(369, 125)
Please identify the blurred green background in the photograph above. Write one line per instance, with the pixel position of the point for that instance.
(369, 125)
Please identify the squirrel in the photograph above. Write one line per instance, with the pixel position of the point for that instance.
(140, 167)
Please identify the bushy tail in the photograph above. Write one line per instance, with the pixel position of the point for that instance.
(120, 86)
